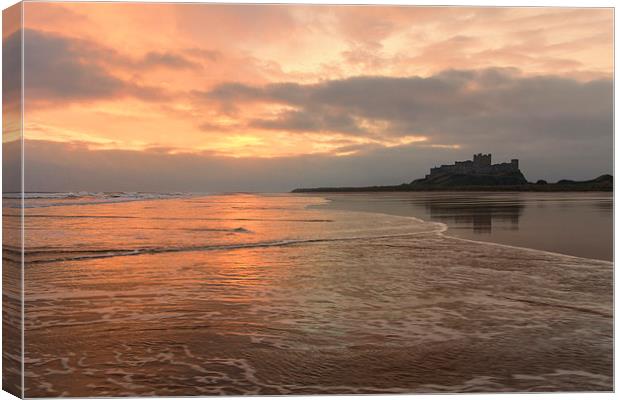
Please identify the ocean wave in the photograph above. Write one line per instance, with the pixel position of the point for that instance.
(42, 200)
(60, 255)
(44, 195)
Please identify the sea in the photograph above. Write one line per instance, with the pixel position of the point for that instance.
(133, 294)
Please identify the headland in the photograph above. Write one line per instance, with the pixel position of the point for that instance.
(479, 174)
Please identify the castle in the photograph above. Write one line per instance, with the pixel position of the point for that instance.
(480, 165)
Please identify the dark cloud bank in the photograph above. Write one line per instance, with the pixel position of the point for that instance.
(64, 167)
(61, 69)
(475, 108)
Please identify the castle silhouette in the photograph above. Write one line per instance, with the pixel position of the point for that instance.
(480, 165)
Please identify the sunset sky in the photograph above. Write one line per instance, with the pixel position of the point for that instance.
(190, 97)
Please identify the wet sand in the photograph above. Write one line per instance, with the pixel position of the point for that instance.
(346, 308)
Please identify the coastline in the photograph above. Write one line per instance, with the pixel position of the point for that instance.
(550, 188)
(464, 183)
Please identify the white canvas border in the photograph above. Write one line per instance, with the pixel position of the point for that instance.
(485, 3)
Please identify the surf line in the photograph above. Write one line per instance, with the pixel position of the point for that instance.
(280, 243)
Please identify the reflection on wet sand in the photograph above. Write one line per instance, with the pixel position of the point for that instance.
(579, 224)
(475, 212)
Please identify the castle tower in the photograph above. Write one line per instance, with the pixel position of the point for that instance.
(482, 160)
(514, 163)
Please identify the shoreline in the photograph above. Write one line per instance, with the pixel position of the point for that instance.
(399, 189)
(445, 228)
(449, 230)
(602, 183)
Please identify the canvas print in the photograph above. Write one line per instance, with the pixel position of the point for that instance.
(237, 199)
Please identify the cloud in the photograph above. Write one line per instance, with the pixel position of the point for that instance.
(61, 69)
(477, 107)
(320, 121)
(210, 55)
(168, 60)
(58, 68)
(11, 72)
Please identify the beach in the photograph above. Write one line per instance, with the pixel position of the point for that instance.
(177, 295)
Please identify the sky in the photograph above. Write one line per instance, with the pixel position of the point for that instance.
(209, 98)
